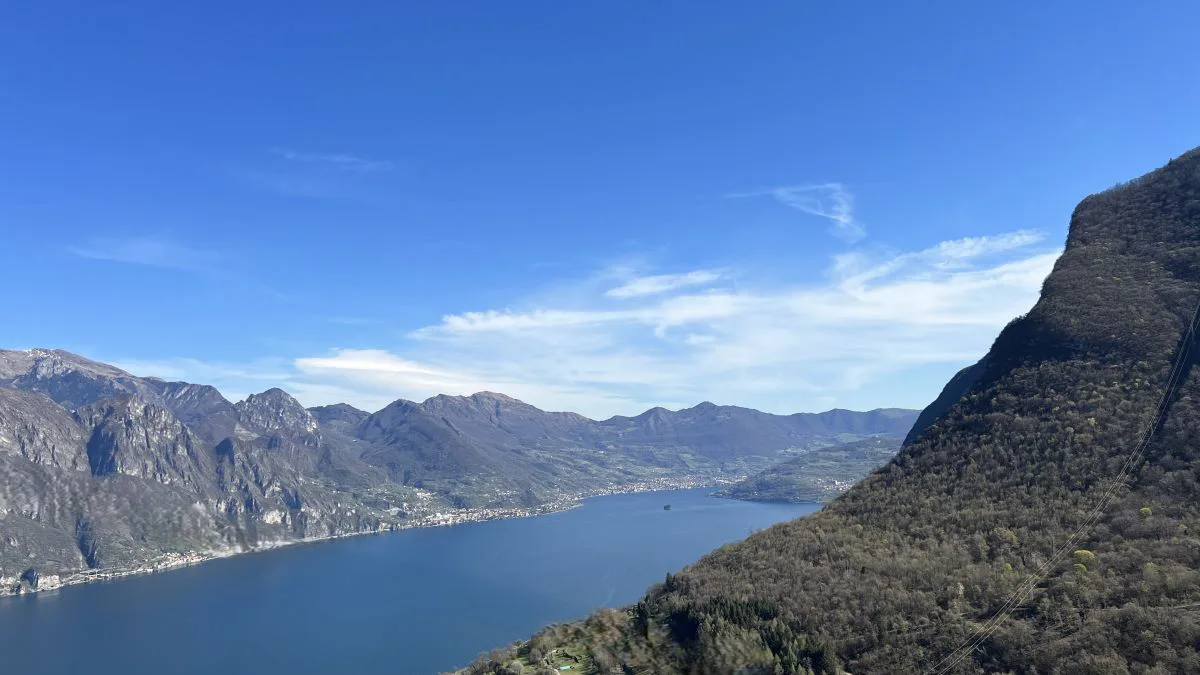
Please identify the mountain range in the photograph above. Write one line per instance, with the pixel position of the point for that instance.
(103, 472)
(1043, 515)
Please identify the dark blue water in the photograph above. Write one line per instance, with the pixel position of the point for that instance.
(418, 601)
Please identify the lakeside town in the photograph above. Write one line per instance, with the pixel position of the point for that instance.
(31, 582)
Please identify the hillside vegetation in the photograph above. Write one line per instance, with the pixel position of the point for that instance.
(973, 550)
(816, 475)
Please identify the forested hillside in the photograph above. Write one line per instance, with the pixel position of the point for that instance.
(976, 550)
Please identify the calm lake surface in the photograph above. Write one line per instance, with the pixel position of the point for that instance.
(418, 601)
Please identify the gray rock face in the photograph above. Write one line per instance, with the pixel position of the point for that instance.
(71, 380)
(137, 438)
(123, 479)
(42, 432)
(201, 407)
(275, 411)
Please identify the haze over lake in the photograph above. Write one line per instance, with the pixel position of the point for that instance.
(418, 601)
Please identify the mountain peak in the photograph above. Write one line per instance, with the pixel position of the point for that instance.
(71, 380)
(338, 413)
(481, 401)
(43, 363)
(708, 407)
(275, 410)
(654, 416)
(495, 396)
(477, 397)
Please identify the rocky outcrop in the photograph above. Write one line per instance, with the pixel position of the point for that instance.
(201, 407)
(275, 412)
(35, 428)
(69, 379)
(137, 438)
(122, 482)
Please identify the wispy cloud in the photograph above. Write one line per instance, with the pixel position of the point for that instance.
(832, 201)
(870, 319)
(855, 268)
(504, 320)
(958, 251)
(863, 334)
(289, 183)
(339, 161)
(313, 175)
(161, 252)
(661, 283)
(151, 251)
(348, 320)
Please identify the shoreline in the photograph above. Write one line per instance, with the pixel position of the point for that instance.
(175, 561)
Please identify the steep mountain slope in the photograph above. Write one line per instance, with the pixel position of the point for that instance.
(954, 390)
(34, 427)
(816, 475)
(1026, 530)
(133, 437)
(275, 411)
(69, 379)
(122, 483)
(119, 481)
(412, 444)
(200, 406)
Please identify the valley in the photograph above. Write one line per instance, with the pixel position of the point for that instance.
(109, 474)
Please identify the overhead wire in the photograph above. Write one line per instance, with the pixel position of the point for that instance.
(1174, 380)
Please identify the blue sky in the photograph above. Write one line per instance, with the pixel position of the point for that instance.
(593, 206)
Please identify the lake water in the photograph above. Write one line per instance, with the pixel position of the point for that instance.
(418, 601)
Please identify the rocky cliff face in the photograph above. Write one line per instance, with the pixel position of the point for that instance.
(137, 438)
(201, 407)
(71, 380)
(35, 428)
(119, 480)
(275, 411)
